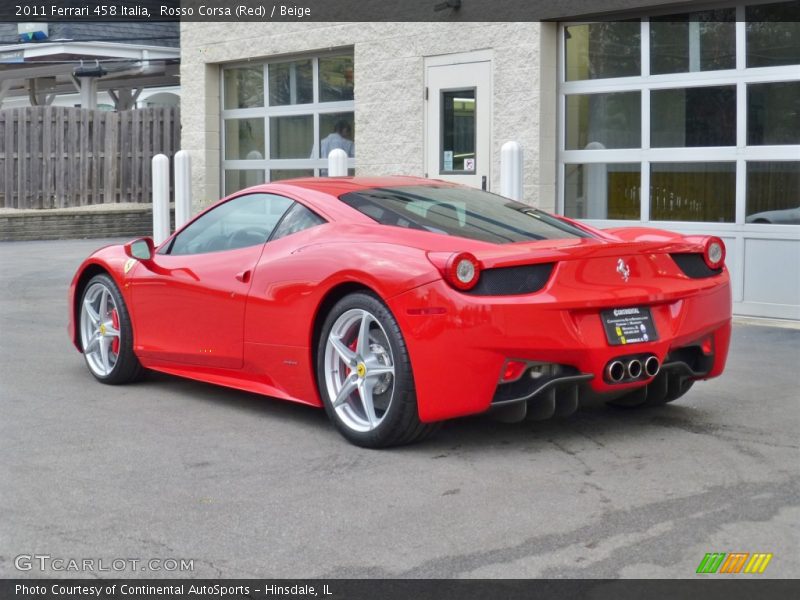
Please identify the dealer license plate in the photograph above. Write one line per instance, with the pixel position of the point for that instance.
(632, 325)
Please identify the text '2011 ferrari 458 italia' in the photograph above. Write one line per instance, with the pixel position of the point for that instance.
(399, 302)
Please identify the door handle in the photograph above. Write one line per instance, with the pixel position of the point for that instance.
(244, 276)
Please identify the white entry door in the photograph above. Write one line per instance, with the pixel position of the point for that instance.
(458, 118)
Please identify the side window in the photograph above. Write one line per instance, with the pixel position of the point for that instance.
(297, 219)
(244, 221)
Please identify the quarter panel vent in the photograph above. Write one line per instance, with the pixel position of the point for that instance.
(694, 266)
(512, 281)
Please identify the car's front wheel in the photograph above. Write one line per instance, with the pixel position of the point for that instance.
(364, 375)
(106, 333)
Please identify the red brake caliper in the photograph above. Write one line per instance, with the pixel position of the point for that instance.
(352, 345)
(115, 323)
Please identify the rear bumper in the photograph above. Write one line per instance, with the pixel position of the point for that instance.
(458, 344)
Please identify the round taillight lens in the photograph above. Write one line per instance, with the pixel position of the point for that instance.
(714, 254)
(463, 271)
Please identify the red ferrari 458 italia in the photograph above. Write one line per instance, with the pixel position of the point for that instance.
(398, 302)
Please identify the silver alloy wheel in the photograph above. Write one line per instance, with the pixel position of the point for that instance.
(359, 370)
(100, 338)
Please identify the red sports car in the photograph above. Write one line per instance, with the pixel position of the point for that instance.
(399, 302)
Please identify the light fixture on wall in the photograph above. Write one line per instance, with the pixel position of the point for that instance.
(454, 4)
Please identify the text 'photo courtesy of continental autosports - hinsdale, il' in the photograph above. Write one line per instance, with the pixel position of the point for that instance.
(396, 303)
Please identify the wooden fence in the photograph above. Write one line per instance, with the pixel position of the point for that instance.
(59, 157)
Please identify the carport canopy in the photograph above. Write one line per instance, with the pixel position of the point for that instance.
(44, 70)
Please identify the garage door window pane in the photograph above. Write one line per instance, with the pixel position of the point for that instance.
(291, 83)
(597, 121)
(702, 41)
(773, 192)
(243, 88)
(337, 130)
(236, 180)
(278, 174)
(603, 191)
(244, 139)
(773, 34)
(291, 137)
(689, 117)
(601, 50)
(335, 78)
(693, 192)
(773, 113)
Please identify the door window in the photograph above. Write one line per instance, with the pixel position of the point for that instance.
(243, 221)
(458, 132)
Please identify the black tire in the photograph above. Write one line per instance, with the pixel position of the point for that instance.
(399, 424)
(126, 365)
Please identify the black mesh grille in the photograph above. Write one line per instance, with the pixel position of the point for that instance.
(694, 266)
(510, 281)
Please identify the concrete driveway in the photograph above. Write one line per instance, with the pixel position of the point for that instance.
(246, 486)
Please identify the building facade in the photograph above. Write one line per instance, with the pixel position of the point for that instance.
(688, 121)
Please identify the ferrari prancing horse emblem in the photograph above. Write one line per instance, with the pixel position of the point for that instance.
(623, 269)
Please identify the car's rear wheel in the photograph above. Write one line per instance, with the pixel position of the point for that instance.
(364, 375)
(105, 332)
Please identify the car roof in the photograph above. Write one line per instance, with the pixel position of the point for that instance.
(336, 186)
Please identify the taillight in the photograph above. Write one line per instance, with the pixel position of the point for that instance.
(714, 253)
(462, 271)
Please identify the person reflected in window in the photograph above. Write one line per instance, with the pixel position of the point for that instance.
(340, 137)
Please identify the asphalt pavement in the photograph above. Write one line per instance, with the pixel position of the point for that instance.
(247, 486)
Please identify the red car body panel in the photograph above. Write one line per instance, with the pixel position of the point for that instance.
(246, 318)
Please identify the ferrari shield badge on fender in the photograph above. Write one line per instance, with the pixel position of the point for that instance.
(129, 264)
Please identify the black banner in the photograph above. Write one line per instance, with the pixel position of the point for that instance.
(706, 587)
(342, 10)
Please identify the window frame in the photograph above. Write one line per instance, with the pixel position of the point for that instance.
(266, 112)
(740, 153)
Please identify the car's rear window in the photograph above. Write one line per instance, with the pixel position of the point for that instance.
(464, 212)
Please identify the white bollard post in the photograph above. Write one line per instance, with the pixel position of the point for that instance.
(183, 187)
(511, 171)
(337, 163)
(595, 188)
(160, 198)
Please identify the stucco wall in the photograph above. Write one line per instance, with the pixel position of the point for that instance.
(389, 89)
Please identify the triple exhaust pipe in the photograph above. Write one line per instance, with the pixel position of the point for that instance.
(631, 369)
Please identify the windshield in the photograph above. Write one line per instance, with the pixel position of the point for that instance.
(459, 211)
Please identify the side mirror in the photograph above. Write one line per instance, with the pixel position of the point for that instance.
(141, 249)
